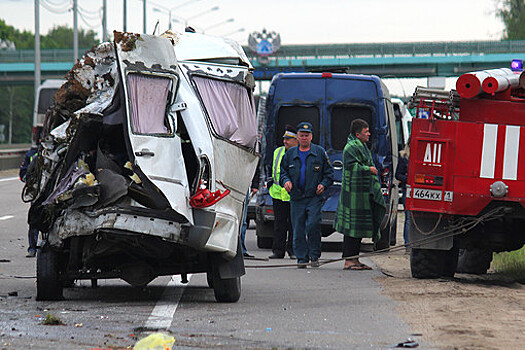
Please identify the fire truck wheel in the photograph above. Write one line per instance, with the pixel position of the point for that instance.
(450, 262)
(426, 263)
(474, 261)
(48, 284)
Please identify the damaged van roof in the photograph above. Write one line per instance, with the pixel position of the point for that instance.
(198, 47)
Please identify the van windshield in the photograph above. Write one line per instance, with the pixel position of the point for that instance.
(293, 115)
(342, 117)
(231, 109)
(45, 99)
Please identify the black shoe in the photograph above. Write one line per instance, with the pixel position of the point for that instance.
(276, 256)
(301, 265)
(31, 254)
(315, 263)
(248, 255)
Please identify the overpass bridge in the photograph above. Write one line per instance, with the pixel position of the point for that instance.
(402, 60)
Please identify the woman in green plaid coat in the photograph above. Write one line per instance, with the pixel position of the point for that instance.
(361, 206)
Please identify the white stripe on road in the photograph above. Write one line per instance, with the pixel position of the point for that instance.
(9, 179)
(162, 314)
(510, 159)
(7, 217)
(488, 154)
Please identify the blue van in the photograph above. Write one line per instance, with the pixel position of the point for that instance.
(330, 101)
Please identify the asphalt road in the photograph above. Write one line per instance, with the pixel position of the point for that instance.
(280, 308)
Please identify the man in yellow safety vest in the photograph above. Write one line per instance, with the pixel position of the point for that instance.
(282, 232)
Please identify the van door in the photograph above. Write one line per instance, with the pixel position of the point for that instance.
(150, 80)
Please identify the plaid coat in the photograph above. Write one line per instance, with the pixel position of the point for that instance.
(361, 206)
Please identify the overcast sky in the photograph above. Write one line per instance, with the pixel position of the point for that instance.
(297, 21)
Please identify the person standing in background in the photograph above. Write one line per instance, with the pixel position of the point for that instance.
(281, 201)
(306, 173)
(361, 205)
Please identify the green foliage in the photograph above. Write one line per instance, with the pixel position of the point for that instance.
(22, 96)
(512, 13)
(512, 263)
(59, 37)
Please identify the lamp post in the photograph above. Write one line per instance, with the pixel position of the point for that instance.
(186, 20)
(234, 32)
(217, 25)
(160, 8)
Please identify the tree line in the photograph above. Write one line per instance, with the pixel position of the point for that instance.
(17, 101)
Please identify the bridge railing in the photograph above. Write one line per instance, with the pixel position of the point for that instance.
(397, 49)
(443, 48)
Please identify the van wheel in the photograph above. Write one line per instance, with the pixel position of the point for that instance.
(227, 290)
(48, 284)
(475, 261)
(264, 231)
(209, 279)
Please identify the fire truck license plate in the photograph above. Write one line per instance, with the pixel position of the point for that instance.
(433, 195)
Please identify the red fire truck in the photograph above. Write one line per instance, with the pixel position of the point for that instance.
(466, 178)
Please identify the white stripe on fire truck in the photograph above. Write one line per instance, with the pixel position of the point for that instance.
(510, 159)
(488, 154)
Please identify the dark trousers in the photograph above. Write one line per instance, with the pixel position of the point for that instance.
(32, 236)
(351, 246)
(282, 229)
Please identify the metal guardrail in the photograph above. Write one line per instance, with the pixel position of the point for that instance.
(11, 156)
(445, 48)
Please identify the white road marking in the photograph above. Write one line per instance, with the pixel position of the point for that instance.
(488, 155)
(162, 314)
(510, 159)
(9, 179)
(7, 217)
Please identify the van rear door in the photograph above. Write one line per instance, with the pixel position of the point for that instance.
(148, 69)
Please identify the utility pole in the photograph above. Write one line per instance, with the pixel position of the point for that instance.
(125, 11)
(104, 20)
(144, 17)
(37, 46)
(75, 31)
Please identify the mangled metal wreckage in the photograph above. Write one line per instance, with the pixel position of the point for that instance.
(144, 164)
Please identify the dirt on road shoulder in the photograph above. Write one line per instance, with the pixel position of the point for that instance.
(469, 312)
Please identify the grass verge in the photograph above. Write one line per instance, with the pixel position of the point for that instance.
(511, 263)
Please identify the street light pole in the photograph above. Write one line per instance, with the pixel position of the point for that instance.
(124, 13)
(144, 16)
(37, 46)
(104, 20)
(75, 31)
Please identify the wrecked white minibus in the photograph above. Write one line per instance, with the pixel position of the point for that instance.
(145, 162)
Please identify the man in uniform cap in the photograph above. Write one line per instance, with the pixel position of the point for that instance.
(306, 173)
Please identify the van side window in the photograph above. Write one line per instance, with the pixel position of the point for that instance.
(342, 117)
(231, 109)
(148, 97)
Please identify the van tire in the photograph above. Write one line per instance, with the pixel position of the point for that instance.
(209, 279)
(264, 232)
(475, 261)
(227, 290)
(48, 284)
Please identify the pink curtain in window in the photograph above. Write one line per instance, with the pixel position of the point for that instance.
(230, 109)
(148, 97)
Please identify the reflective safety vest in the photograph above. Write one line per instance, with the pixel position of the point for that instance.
(276, 191)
